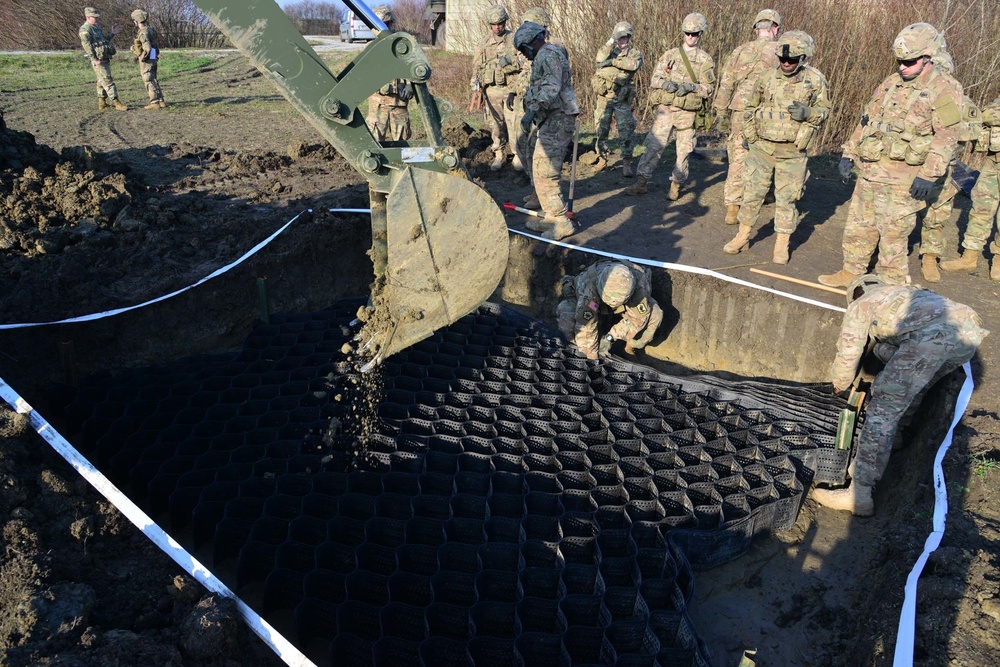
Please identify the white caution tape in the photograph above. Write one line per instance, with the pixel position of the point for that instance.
(281, 646)
(903, 656)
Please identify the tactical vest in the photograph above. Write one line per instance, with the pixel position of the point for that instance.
(772, 120)
(895, 139)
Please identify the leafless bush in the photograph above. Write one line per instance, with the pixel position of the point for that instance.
(55, 24)
(316, 18)
(853, 38)
(411, 17)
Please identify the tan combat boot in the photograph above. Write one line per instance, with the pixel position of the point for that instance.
(498, 160)
(563, 227)
(102, 103)
(929, 268)
(152, 105)
(732, 211)
(856, 499)
(675, 191)
(538, 225)
(118, 105)
(627, 170)
(841, 278)
(780, 255)
(163, 104)
(531, 202)
(640, 187)
(967, 261)
(740, 242)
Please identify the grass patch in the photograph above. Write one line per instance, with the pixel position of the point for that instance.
(983, 466)
(33, 71)
(178, 63)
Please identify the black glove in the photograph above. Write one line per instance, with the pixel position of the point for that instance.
(670, 86)
(510, 102)
(845, 167)
(921, 188)
(526, 121)
(604, 347)
(799, 111)
(685, 88)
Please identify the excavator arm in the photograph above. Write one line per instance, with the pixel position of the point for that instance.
(439, 241)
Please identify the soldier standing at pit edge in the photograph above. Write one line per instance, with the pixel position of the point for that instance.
(904, 142)
(985, 200)
(921, 336)
(617, 62)
(605, 288)
(682, 79)
(783, 113)
(388, 117)
(146, 48)
(98, 47)
(497, 65)
(551, 104)
(744, 65)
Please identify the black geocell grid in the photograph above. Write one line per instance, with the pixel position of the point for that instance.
(517, 504)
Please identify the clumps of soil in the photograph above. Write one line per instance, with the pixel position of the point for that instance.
(50, 200)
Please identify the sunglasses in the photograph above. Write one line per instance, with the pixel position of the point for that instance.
(789, 60)
(908, 63)
(692, 34)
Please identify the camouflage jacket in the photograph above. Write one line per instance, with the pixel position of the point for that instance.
(671, 67)
(398, 93)
(522, 81)
(770, 98)
(145, 41)
(497, 61)
(893, 314)
(744, 65)
(96, 45)
(589, 306)
(908, 128)
(551, 88)
(620, 66)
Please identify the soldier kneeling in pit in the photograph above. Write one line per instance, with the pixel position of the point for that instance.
(606, 288)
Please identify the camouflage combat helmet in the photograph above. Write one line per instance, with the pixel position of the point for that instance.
(385, 14)
(794, 44)
(771, 15)
(863, 282)
(140, 16)
(527, 33)
(615, 283)
(90, 11)
(539, 16)
(496, 15)
(916, 40)
(623, 29)
(694, 22)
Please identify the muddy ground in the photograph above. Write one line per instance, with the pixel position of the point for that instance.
(101, 210)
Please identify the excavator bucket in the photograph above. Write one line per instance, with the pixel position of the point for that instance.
(446, 253)
(439, 242)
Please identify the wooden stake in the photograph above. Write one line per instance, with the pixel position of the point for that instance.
(835, 290)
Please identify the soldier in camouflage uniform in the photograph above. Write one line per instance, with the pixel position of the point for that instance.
(785, 110)
(903, 144)
(550, 103)
(497, 65)
(921, 336)
(607, 288)
(942, 201)
(617, 63)
(388, 118)
(985, 199)
(146, 48)
(744, 65)
(682, 80)
(98, 48)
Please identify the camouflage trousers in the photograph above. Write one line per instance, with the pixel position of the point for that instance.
(388, 123)
(789, 174)
(985, 202)
(923, 358)
(552, 140)
(881, 215)
(148, 72)
(668, 121)
(937, 215)
(733, 193)
(499, 117)
(105, 84)
(582, 334)
(621, 110)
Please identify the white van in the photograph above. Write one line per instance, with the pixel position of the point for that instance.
(354, 28)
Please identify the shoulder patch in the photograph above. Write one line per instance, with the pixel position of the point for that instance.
(947, 110)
